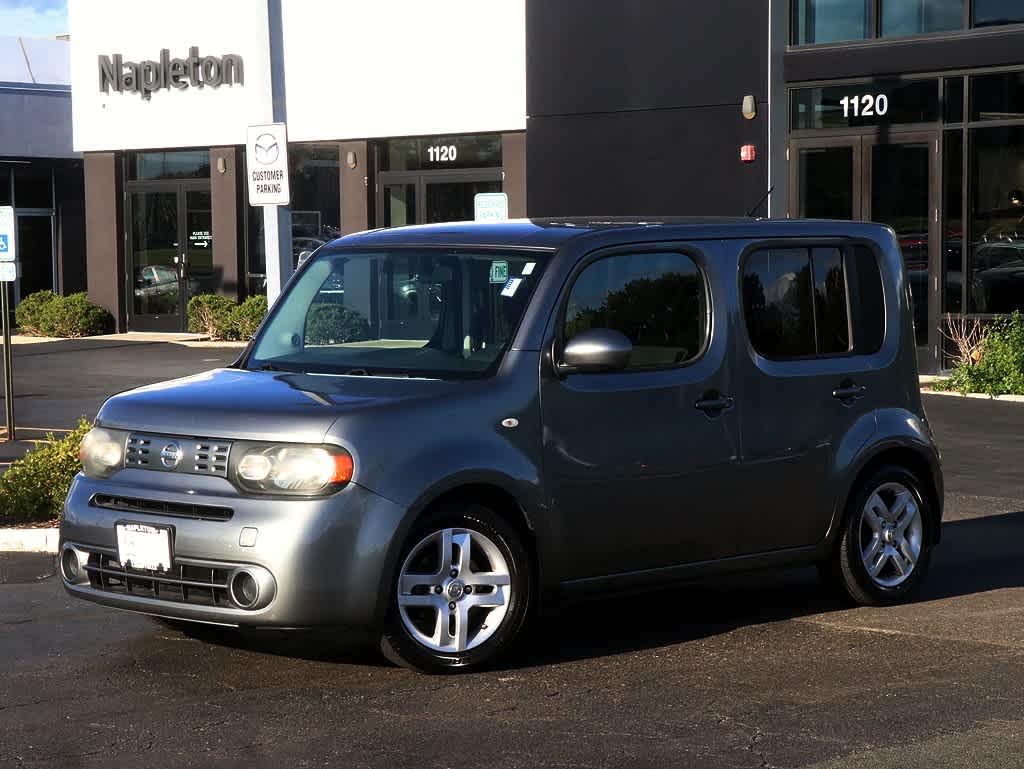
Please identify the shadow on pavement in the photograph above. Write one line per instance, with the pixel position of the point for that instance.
(18, 568)
(976, 555)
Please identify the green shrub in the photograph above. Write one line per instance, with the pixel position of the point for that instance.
(211, 314)
(74, 316)
(335, 324)
(33, 488)
(246, 317)
(1000, 367)
(29, 313)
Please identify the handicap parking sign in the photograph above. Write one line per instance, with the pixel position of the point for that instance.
(8, 244)
(3, 243)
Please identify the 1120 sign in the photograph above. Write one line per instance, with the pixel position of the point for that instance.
(867, 105)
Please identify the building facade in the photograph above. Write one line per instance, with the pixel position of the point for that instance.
(908, 112)
(382, 131)
(40, 174)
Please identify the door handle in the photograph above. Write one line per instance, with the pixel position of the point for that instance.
(713, 402)
(849, 392)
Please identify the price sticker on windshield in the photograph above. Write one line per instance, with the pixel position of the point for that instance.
(499, 272)
(511, 287)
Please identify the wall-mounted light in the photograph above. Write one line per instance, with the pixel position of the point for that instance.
(222, 167)
(351, 159)
(749, 107)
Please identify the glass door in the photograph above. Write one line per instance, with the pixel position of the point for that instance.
(430, 197)
(900, 180)
(36, 253)
(893, 182)
(171, 253)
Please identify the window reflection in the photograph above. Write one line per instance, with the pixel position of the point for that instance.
(915, 17)
(996, 275)
(990, 13)
(832, 21)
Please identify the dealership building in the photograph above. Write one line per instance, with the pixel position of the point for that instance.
(908, 112)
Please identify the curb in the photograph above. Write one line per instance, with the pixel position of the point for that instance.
(30, 540)
(978, 396)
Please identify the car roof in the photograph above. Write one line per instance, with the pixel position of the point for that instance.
(551, 233)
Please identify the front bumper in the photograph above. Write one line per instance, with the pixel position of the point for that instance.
(329, 558)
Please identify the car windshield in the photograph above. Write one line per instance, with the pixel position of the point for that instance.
(429, 312)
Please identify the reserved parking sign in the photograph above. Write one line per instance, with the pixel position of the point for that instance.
(8, 250)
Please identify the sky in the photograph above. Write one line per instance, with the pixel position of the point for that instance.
(33, 18)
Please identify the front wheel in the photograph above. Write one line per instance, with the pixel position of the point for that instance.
(887, 539)
(461, 592)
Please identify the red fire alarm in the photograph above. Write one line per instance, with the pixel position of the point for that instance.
(748, 153)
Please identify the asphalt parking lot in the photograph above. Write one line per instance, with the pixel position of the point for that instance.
(756, 671)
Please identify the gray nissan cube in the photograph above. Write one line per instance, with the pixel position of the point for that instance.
(440, 430)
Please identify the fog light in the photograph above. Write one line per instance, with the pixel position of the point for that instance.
(245, 590)
(72, 566)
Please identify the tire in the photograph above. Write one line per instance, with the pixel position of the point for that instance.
(899, 559)
(491, 604)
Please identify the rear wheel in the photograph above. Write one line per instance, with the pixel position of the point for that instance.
(461, 593)
(886, 543)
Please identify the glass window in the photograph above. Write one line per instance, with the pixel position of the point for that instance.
(915, 17)
(826, 183)
(445, 313)
(439, 152)
(658, 300)
(997, 97)
(996, 266)
(830, 300)
(777, 303)
(796, 302)
(5, 186)
(953, 99)
(953, 226)
(831, 21)
(187, 164)
(33, 187)
(869, 302)
(990, 13)
(866, 104)
(314, 173)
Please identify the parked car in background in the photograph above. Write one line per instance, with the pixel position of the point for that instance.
(585, 408)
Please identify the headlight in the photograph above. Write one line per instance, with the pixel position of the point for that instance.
(102, 452)
(290, 469)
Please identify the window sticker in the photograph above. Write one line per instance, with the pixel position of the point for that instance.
(499, 272)
(511, 287)
(528, 269)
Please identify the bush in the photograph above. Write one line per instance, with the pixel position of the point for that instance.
(28, 315)
(211, 314)
(246, 317)
(335, 324)
(1000, 366)
(74, 316)
(33, 489)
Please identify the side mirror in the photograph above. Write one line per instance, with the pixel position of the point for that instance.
(599, 349)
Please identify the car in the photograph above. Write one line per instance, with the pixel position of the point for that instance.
(595, 408)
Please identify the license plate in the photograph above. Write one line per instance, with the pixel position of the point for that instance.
(143, 547)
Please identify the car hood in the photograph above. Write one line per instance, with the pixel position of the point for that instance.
(259, 405)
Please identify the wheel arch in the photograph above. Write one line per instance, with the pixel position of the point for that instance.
(913, 459)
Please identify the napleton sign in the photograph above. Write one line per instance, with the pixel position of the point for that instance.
(148, 76)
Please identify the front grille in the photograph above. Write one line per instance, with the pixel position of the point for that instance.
(211, 458)
(200, 456)
(194, 585)
(137, 452)
(158, 507)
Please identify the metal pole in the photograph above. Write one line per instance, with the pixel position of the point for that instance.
(277, 220)
(5, 308)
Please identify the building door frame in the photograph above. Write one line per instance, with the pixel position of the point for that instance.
(862, 144)
(423, 179)
(47, 213)
(167, 322)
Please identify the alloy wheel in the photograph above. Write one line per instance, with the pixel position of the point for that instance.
(454, 590)
(891, 535)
